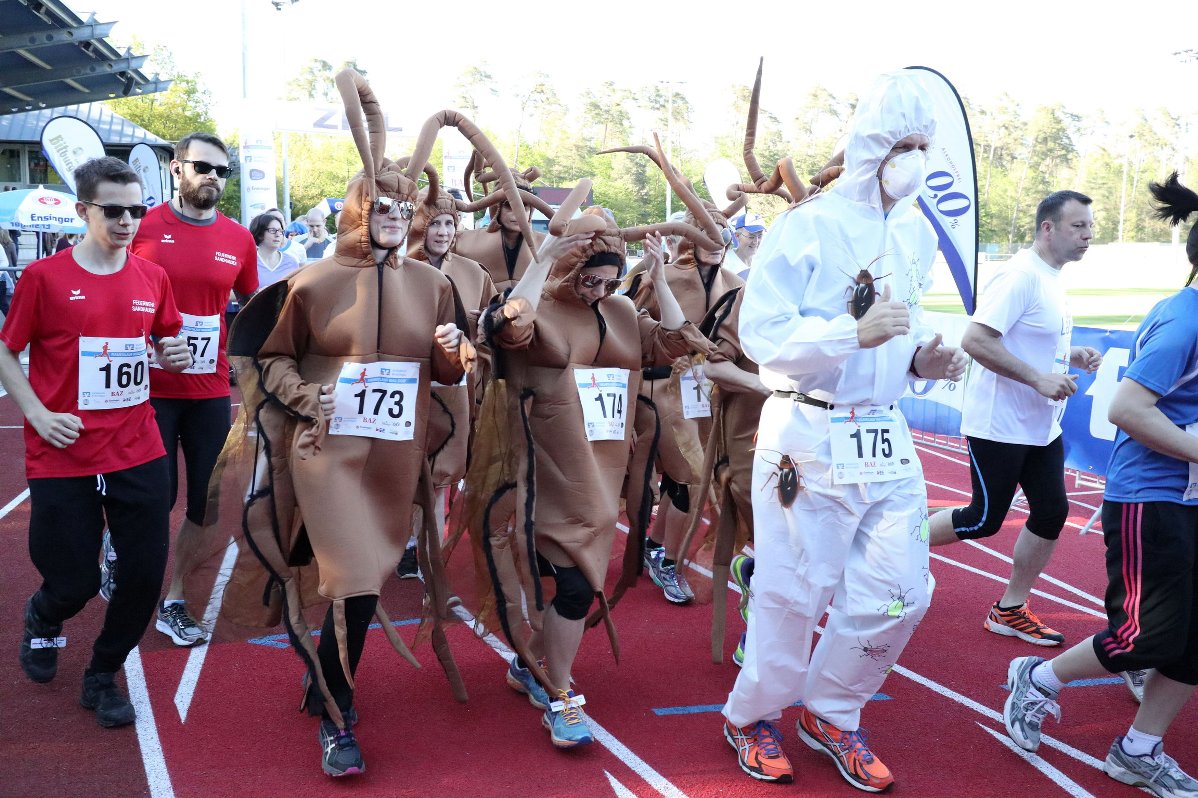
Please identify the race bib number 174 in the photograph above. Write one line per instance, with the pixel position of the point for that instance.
(604, 396)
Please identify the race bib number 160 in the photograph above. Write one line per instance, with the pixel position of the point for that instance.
(112, 373)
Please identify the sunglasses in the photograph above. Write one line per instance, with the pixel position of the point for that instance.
(594, 281)
(118, 211)
(384, 205)
(203, 168)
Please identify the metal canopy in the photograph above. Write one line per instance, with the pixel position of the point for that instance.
(49, 58)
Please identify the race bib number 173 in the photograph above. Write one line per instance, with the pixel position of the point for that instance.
(376, 400)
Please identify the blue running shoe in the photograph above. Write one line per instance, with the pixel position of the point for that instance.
(566, 724)
(522, 681)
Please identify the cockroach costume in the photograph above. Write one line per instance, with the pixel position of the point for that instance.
(531, 434)
(450, 415)
(485, 246)
(342, 501)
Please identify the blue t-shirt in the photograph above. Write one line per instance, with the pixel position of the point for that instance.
(1164, 359)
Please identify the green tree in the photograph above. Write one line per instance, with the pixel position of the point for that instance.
(316, 81)
(181, 109)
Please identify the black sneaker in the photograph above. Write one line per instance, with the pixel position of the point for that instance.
(341, 755)
(101, 693)
(409, 566)
(39, 646)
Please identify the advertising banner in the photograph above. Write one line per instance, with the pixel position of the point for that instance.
(67, 142)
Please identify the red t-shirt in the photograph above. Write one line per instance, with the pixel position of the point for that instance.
(56, 305)
(204, 263)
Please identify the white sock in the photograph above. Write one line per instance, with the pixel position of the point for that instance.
(1137, 743)
(1046, 679)
(169, 602)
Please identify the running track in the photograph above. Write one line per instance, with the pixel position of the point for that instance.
(221, 720)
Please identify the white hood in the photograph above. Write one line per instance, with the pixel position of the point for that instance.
(896, 107)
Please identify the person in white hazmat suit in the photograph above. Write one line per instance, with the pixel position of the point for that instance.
(839, 502)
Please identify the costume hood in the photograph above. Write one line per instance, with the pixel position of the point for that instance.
(431, 204)
(896, 107)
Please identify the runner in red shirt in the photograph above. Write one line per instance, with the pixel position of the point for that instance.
(206, 255)
(91, 456)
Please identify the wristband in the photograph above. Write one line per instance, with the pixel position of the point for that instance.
(912, 369)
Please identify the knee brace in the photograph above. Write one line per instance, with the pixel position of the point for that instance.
(679, 495)
(574, 593)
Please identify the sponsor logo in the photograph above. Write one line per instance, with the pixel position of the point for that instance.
(142, 306)
(257, 174)
(167, 238)
(225, 257)
(49, 201)
(76, 293)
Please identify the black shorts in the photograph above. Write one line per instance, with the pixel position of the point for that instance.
(200, 426)
(996, 470)
(1152, 589)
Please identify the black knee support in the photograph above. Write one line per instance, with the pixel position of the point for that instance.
(679, 495)
(574, 593)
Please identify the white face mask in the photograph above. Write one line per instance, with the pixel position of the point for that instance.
(903, 174)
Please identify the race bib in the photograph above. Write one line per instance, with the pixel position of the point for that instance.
(376, 400)
(870, 444)
(604, 395)
(1192, 488)
(112, 373)
(696, 393)
(1060, 365)
(202, 334)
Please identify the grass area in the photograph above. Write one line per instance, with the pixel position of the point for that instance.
(1121, 321)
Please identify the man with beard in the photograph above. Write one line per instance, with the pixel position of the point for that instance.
(206, 255)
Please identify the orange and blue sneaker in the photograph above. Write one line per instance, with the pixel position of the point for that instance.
(741, 569)
(759, 750)
(1021, 622)
(565, 722)
(856, 763)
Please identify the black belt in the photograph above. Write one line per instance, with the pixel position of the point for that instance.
(804, 399)
(656, 372)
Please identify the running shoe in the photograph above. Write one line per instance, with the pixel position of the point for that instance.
(522, 681)
(565, 722)
(1135, 684)
(1021, 622)
(666, 577)
(340, 755)
(738, 656)
(1026, 706)
(107, 567)
(742, 572)
(1157, 772)
(179, 626)
(104, 695)
(683, 584)
(409, 566)
(650, 553)
(856, 763)
(39, 646)
(759, 751)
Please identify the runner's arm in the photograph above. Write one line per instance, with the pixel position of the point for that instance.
(1134, 411)
(58, 429)
(984, 344)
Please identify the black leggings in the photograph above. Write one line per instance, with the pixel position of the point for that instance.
(359, 612)
(996, 469)
(66, 523)
(200, 426)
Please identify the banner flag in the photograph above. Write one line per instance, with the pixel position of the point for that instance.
(67, 142)
(949, 198)
(144, 161)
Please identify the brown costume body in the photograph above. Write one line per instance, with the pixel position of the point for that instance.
(486, 247)
(355, 493)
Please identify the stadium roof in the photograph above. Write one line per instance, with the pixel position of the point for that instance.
(50, 58)
(113, 128)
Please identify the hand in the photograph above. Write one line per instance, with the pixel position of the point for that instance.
(554, 248)
(1056, 386)
(654, 259)
(936, 362)
(59, 430)
(328, 404)
(448, 336)
(1085, 357)
(883, 321)
(174, 354)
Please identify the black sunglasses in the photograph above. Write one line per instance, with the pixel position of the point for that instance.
(118, 211)
(384, 205)
(203, 168)
(594, 281)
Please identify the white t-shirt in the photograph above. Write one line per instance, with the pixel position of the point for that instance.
(1025, 301)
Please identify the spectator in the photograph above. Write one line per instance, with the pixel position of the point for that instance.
(318, 234)
(273, 263)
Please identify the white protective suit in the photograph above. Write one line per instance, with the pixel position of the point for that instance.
(859, 547)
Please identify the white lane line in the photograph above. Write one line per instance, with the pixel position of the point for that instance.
(152, 759)
(195, 657)
(13, 426)
(605, 738)
(1035, 760)
(1002, 580)
(621, 790)
(15, 503)
(1052, 580)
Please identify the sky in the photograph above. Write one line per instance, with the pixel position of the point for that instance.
(1089, 56)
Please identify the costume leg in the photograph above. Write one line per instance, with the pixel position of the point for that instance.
(359, 612)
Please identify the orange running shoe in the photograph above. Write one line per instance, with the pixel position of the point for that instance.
(759, 751)
(848, 750)
(1021, 622)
